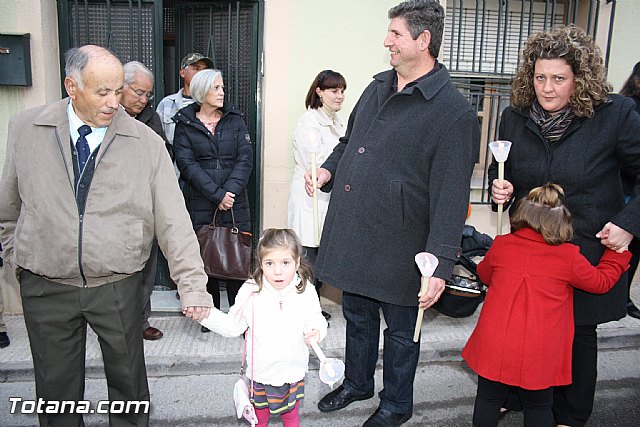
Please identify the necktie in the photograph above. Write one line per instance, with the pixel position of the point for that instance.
(83, 146)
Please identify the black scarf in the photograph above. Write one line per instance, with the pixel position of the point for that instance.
(554, 126)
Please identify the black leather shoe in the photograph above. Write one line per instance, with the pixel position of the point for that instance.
(340, 398)
(4, 340)
(632, 310)
(384, 418)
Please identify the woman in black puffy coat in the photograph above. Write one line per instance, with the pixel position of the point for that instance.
(213, 152)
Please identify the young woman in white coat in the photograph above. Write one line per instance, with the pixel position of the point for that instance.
(318, 129)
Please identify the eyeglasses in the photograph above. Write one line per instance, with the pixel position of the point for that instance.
(140, 93)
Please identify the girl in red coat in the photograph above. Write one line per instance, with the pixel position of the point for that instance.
(525, 330)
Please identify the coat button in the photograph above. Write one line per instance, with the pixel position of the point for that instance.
(347, 188)
(361, 150)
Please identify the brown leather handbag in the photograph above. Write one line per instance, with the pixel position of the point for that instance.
(226, 252)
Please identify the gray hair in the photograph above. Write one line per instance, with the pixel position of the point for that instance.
(202, 83)
(133, 68)
(77, 58)
(75, 61)
(422, 15)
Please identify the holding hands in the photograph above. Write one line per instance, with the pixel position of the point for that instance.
(614, 237)
(196, 313)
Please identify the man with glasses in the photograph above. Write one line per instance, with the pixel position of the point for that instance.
(136, 96)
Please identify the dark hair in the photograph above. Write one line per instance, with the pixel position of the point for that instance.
(282, 238)
(544, 211)
(422, 15)
(580, 51)
(631, 87)
(327, 79)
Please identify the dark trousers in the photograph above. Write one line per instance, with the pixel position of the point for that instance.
(148, 282)
(634, 248)
(213, 287)
(573, 404)
(400, 353)
(56, 317)
(491, 394)
(311, 254)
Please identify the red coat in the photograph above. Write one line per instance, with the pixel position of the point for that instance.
(525, 331)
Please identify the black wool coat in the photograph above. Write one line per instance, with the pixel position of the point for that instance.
(400, 186)
(149, 117)
(586, 162)
(211, 165)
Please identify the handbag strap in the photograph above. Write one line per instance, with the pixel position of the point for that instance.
(213, 224)
(253, 349)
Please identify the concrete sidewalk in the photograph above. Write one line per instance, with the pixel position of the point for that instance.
(185, 350)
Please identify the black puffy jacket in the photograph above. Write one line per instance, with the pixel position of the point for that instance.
(211, 165)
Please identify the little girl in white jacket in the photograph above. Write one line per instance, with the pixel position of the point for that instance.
(280, 313)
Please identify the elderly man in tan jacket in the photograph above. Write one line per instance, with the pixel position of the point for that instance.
(84, 189)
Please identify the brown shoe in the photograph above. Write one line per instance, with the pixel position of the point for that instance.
(152, 333)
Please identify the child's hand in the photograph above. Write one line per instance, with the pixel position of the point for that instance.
(314, 334)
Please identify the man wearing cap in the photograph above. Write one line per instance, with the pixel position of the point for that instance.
(169, 106)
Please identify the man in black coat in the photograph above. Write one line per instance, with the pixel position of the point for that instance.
(400, 180)
(136, 95)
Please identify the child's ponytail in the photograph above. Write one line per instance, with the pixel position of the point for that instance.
(544, 211)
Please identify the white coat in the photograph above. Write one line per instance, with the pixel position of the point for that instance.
(300, 210)
(275, 321)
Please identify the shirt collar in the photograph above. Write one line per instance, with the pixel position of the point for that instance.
(94, 138)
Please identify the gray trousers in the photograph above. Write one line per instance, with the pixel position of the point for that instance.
(56, 317)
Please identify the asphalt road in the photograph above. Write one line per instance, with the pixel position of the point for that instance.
(444, 394)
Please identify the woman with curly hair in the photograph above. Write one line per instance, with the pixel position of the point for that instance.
(567, 128)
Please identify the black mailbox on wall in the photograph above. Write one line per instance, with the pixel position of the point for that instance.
(15, 60)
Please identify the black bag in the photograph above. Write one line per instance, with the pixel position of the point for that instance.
(462, 295)
(226, 252)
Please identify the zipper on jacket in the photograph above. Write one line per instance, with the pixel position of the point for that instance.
(80, 226)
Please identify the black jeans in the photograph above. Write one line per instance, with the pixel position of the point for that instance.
(573, 404)
(491, 395)
(400, 353)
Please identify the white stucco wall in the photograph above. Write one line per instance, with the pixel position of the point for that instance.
(302, 38)
(39, 18)
(625, 44)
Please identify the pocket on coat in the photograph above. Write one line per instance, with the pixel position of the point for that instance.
(396, 200)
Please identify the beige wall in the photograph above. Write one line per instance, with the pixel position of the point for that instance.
(625, 44)
(39, 18)
(302, 38)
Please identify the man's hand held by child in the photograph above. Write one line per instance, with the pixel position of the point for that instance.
(614, 237)
(314, 334)
(196, 313)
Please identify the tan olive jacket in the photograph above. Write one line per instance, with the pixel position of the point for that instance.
(134, 195)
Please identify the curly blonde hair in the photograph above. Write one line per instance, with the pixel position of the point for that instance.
(573, 45)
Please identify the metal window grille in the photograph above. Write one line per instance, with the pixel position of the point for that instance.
(129, 28)
(483, 40)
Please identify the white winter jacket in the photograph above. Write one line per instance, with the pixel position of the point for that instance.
(275, 322)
